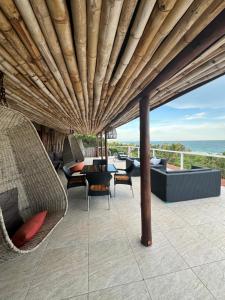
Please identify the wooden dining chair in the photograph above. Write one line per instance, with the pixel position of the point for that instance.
(98, 185)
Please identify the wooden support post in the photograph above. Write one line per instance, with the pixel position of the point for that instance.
(106, 147)
(97, 146)
(146, 238)
(101, 146)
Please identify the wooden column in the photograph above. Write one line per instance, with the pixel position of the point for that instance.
(97, 146)
(101, 146)
(106, 147)
(146, 238)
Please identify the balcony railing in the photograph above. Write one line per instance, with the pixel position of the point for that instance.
(181, 159)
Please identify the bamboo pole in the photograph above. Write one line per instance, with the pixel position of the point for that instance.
(44, 20)
(124, 22)
(143, 14)
(60, 17)
(93, 17)
(111, 10)
(159, 26)
(80, 36)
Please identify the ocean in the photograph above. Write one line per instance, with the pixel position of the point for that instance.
(215, 147)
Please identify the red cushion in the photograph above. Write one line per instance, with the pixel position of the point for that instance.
(77, 167)
(28, 230)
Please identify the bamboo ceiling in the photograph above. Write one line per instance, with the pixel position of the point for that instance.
(83, 65)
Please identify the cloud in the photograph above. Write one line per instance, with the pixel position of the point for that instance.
(175, 132)
(196, 116)
(128, 134)
(179, 132)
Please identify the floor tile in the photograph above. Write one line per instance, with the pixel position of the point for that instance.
(83, 297)
(69, 234)
(214, 232)
(176, 286)
(154, 261)
(132, 291)
(62, 272)
(193, 247)
(16, 275)
(213, 277)
(111, 263)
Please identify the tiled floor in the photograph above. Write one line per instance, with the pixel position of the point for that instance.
(98, 255)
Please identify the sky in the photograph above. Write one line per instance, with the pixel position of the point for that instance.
(197, 115)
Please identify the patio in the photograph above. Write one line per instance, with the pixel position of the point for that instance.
(98, 255)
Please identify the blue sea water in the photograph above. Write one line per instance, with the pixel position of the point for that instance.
(215, 147)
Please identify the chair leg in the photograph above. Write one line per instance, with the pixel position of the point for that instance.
(88, 203)
(109, 202)
(132, 190)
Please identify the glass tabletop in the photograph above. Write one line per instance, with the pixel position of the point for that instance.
(99, 168)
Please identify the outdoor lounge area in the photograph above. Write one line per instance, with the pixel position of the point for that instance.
(98, 255)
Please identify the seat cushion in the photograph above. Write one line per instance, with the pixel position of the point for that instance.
(155, 161)
(77, 167)
(122, 177)
(136, 163)
(29, 229)
(99, 188)
(10, 210)
(77, 180)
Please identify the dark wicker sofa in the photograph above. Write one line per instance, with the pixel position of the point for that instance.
(182, 185)
(136, 170)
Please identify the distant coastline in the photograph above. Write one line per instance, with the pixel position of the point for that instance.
(207, 146)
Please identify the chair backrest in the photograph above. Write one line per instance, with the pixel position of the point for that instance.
(25, 165)
(99, 162)
(130, 169)
(102, 178)
(67, 172)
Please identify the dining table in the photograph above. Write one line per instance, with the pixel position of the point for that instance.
(110, 168)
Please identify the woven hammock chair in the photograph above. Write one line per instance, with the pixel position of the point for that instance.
(25, 165)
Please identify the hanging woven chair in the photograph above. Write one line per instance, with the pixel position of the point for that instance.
(25, 165)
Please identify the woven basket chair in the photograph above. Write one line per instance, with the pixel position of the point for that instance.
(24, 164)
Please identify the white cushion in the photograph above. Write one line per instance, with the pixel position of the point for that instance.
(155, 161)
(136, 163)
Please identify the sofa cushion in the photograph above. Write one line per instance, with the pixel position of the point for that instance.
(155, 161)
(10, 210)
(136, 163)
(29, 229)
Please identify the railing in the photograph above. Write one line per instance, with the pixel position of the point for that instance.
(181, 159)
(182, 153)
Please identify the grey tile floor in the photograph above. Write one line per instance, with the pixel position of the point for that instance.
(98, 255)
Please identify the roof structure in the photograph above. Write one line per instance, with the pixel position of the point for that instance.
(84, 65)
